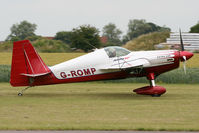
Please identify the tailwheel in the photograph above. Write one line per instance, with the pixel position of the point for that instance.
(21, 93)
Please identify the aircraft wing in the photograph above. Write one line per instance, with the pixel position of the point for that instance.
(127, 64)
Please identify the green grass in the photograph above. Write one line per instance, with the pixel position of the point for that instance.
(99, 106)
(5, 73)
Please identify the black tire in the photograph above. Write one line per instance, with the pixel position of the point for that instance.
(20, 94)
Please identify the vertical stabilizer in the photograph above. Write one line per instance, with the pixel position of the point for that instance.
(26, 64)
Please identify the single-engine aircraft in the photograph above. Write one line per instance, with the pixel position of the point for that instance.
(113, 62)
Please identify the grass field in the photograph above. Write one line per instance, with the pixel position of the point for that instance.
(55, 58)
(99, 106)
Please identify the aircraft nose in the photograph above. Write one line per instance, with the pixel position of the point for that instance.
(186, 54)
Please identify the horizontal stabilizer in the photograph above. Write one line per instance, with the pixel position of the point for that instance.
(35, 75)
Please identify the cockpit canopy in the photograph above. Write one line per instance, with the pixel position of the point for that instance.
(115, 51)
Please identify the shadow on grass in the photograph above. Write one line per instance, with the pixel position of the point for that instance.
(92, 95)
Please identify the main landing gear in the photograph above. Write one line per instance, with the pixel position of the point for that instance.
(153, 90)
(21, 93)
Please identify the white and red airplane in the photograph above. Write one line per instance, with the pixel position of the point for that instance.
(28, 69)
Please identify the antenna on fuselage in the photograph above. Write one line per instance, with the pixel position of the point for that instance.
(91, 45)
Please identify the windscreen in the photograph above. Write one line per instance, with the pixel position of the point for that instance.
(115, 51)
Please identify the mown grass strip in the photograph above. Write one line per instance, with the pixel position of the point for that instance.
(99, 106)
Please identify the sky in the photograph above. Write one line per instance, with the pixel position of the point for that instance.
(52, 16)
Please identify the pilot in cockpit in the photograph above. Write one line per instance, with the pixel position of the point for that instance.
(112, 52)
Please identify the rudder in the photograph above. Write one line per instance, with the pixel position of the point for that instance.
(26, 64)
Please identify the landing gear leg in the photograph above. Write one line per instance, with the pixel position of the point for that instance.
(151, 78)
(21, 93)
(152, 84)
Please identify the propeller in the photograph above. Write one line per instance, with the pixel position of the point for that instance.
(182, 49)
(181, 41)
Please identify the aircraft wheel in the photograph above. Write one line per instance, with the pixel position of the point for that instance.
(20, 94)
(156, 95)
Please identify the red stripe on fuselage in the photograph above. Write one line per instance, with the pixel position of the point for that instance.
(51, 79)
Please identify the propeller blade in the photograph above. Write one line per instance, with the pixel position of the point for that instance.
(181, 42)
(184, 64)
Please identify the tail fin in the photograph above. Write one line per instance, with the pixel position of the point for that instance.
(26, 64)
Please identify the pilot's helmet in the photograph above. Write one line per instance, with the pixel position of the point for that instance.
(112, 52)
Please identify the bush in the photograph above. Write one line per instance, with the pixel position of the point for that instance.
(33, 38)
(51, 46)
(6, 46)
(41, 45)
(147, 41)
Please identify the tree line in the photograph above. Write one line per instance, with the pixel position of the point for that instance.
(87, 37)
